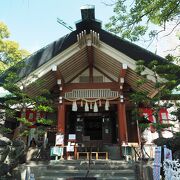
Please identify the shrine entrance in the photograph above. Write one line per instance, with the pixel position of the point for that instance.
(93, 127)
(100, 127)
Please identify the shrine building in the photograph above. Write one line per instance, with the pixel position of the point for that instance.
(91, 73)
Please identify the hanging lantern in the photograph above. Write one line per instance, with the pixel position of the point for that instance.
(74, 106)
(95, 107)
(86, 107)
(91, 105)
(107, 105)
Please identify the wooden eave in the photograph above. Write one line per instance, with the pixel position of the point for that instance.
(105, 59)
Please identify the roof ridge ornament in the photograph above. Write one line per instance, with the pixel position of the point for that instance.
(85, 39)
(88, 12)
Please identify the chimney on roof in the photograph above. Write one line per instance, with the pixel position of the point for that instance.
(88, 12)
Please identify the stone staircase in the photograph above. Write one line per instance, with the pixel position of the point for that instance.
(78, 170)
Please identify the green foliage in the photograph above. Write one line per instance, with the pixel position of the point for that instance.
(171, 143)
(10, 52)
(10, 113)
(156, 126)
(24, 133)
(19, 100)
(43, 108)
(177, 134)
(143, 126)
(40, 130)
(24, 121)
(4, 32)
(163, 88)
(139, 98)
(44, 121)
(4, 130)
(161, 126)
(133, 19)
(140, 67)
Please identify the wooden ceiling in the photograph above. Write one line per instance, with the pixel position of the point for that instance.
(78, 62)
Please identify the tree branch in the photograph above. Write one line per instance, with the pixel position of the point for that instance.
(173, 49)
(172, 30)
(108, 4)
(175, 7)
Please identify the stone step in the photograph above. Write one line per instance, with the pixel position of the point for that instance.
(57, 170)
(93, 167)
(57, 162)
(92, 173)
(98, 178)
(80, 165)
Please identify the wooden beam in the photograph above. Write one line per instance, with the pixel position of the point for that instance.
(110, 85)
(122, 73)
(90, 62)
(61, 118)
(57, 74)
(122, 124)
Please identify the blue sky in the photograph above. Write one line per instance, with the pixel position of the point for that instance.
(33, 23)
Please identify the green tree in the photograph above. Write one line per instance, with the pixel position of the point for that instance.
(14, 106)
(134, 19)
(18, 101)
(166, 79)
(10, 52)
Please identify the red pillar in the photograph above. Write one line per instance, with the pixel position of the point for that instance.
(61, 118)
(122, 123)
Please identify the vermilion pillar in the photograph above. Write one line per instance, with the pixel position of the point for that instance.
(122, 123)
(61, 118)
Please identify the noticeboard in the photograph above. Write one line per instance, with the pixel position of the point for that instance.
(56, 151)
(70, 148)
(59, 139)
(72, 137)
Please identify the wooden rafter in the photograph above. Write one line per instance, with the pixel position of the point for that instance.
(155, 92)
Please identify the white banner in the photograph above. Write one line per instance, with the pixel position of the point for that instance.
(70, 148)
(157, 164)
(167, 154)
(59, 139)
